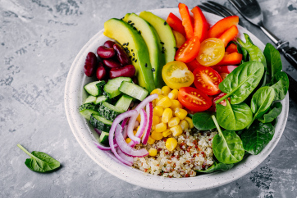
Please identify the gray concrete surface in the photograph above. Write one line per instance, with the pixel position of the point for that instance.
(38, 42)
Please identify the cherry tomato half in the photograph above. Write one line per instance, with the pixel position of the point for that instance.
(211, 52)
(194, 99)
(207, 80)
(189, 50)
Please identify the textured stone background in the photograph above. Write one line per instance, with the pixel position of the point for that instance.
(38, 42)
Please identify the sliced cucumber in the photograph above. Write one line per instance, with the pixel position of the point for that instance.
(90, 99)
(103, 139)
(112, 86)
(133, 90)
(100, 99)
(87, 109)
(100, 123)
(109, 111)
(95, 88)
(124, 102)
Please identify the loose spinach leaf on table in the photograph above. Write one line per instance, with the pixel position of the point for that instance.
(274, 111)
(217, 166)
(203, 121)
(280, 84)
(234, 117)
(240, 83)
(227, 146)
(257, 137)
(40, 162)
(273, 59)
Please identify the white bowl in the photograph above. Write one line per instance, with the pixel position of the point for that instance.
(85, 135)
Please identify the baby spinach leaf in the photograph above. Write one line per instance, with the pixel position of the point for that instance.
(40, 162)
(280, 84)
(242, 51)
(234, 117)
(274, 62)
(274, 111)
(217, 166)
(203, 121)
(227, 146)
(257, 137)
(240, 83)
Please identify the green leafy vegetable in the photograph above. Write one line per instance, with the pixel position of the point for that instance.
(40, 162)
(274, 62)
(227, 146)
(242, 51)
(240, 83)
(274, 111)
(257, 137)
(203, 121)
(234, 117)
(280, 84)
(217, 166)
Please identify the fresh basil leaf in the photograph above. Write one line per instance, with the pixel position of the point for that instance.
(280, 84)
(227, 146)
(234, 117)
(217, 166)
(274, 111)
(40, 162)
(240, 83)
(203, 121)
(257, 137)
(274, 62)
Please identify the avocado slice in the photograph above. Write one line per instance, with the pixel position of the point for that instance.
(152, 40)
(131, 40)
(165, 33)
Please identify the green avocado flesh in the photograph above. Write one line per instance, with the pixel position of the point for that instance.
(152, 40)
(165, 33)
(131, 38)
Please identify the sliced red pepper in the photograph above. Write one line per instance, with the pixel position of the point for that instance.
(175, 23)
(193, 65)
(231, 59)
(229, 35)
(222, 25)
(188, 51)
(186, 20)
(200, 24)
(225, 69)
(231, 48)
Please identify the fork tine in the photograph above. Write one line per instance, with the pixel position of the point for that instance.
(209, 10)
(222, 7)
(215, 9)
(235, 4)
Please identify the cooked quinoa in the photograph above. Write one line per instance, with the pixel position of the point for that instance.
(193, 152)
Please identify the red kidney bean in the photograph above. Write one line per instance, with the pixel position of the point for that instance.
(90, 64)
(111, 63)
(121, 55)
(101, 71)
(109, 44)
(104, 52)
(126, 71)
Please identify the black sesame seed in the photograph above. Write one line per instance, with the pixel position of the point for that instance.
(132, 23)
(129, 21)
(131, 50)
(135, 60)
(139, 31)
(153, 69)
(127, 43)
(124, 44)
(128, 51)
(133, 54)
(165, 23)
(176, 48)
(130, 57)
(162, 43)
(134, 28)
(145, 65)
(162, 52)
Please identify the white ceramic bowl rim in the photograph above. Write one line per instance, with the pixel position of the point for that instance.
(85, 135)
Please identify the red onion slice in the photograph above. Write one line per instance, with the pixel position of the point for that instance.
(143, 124)
(124, 156)
(98, 131)
(149, 112)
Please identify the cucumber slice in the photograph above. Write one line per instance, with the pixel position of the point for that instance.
(124, 102)
(109, 111)
(100, 99)
(90, 99)
(103, 139)
(133, 90)
(86, 110)
(95, 88)
(100, 123)
(112, 86)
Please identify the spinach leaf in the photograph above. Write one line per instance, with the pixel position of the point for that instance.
(274, 111)
(280, 84)
(40, 162)
(242, 51)
(257, 137)
(227, 146)
(274, 62)
(217, 166)
(234, 117)
(240, 83)
(203, 121)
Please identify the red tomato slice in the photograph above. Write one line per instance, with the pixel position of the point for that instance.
(207, 80)
(224, 69)
(194, 99)
(188, 51)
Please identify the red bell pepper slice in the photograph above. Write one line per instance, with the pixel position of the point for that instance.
(186, 20)
(200, 24)
(232, 48)
(229, 35)
(175, 23)
(222, 25)
(231, 59)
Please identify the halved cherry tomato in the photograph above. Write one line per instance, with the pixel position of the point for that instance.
(229, 35)
(194, 99)
(175, 23)
(207, 80)
(224, 69)
(221, 26)
(176, 75)
(189, 50)
(179, 38)
(200, 24)
(186, 20)
(232, 48)
(211, 52)
(193, 65)
(231, 59)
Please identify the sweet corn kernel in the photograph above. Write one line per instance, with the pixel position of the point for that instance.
(165, 102)
(181, 113)
(190, 122)
(156, 120)
(171, 143)
(134, 132)
(176, 130)
(175, 104)
(153, 152)
(128, 140)
(184, 125)
(150, 140)
(158, 111)
(173, 121)
(159, 98)
(165, 90)
(160, 127)
(167, 115)
(166, 133)
(157, 136)
(138, 118)
(156, 91)
(173, 94)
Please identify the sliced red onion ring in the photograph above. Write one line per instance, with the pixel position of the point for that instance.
(125, 157)
(115, 125)
(133, 118)
(124, 122)
(125, 132)
(149, 112)
(98, 131)
(143, 123)
(105, 148)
